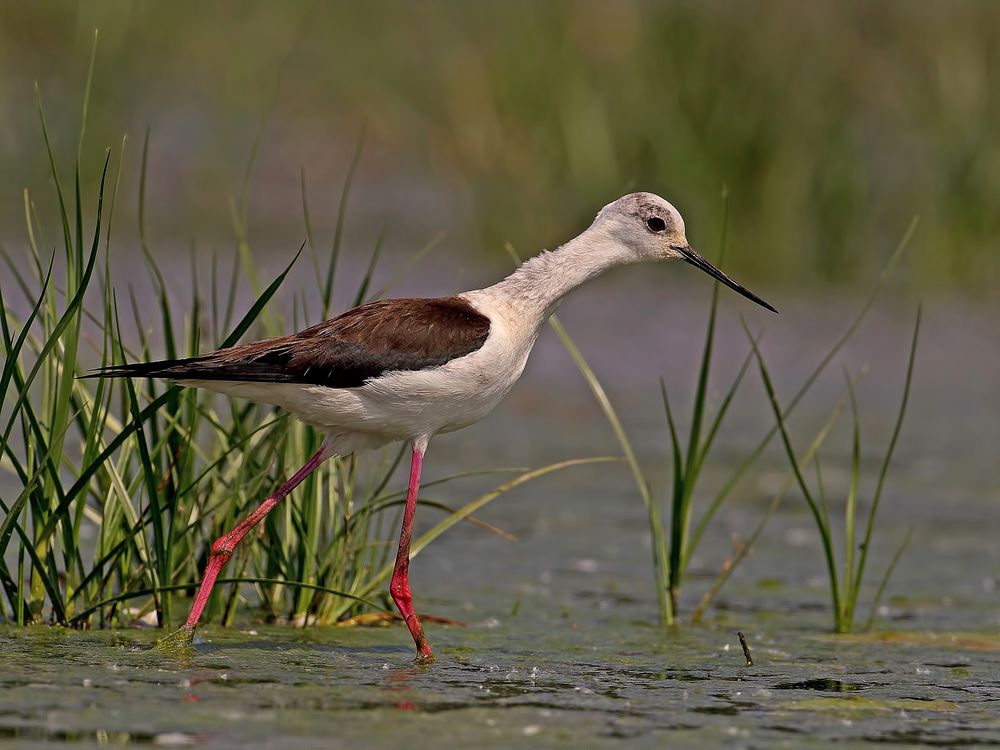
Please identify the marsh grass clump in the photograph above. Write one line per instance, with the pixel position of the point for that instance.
(845, 588)
(674, 543)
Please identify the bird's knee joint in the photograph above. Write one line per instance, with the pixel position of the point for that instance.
(222, 547)
(400, 594)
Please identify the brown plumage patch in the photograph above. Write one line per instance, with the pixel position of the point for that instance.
(645, 209)
(344, 352)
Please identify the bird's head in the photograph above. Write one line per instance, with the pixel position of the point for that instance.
(649, 228)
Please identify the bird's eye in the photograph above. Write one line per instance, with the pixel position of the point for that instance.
(656, 224)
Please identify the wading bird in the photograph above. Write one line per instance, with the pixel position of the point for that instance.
(409, 369)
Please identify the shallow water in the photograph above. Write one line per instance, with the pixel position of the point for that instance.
(558, 646)
(568, 681)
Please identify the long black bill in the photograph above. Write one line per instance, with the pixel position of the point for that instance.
(691, 256)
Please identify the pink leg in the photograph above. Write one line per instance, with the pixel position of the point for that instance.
(222, 548)
(400, 586)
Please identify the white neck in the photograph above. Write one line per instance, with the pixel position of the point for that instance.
(537, 287)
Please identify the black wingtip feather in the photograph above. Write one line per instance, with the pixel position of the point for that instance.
(166, 368)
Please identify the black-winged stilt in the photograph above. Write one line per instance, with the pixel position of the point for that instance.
(408, 369)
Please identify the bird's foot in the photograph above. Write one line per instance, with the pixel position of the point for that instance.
(178, 643)
(424, 653)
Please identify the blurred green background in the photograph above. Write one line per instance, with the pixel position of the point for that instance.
(831, 124)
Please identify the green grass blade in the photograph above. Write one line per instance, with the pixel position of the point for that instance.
(53, 170)
(887, 461)
(888, 574)
(87, 87)
(747, 546)
(695, 538)
(408, 265)
(22, 283)
(29, 224)
(822, 527)
(313, 255)
(258, 305)
(821, 488)
(850, 507)
(79, 152)
(244, 199)
(720, 414)
(675, 443)
(701, 392)
(10, 520)
(12, 349)
(17, 603)
(234, 278)
(338, 232)
(383, 481)
(369, 272)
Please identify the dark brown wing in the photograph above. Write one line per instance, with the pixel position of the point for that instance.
(360, 344)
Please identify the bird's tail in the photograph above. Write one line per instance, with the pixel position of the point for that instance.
(260, 362)
(174, 369)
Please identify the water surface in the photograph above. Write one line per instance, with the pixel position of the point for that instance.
(559, 645)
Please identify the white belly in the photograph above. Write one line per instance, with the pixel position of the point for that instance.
(401, 405)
